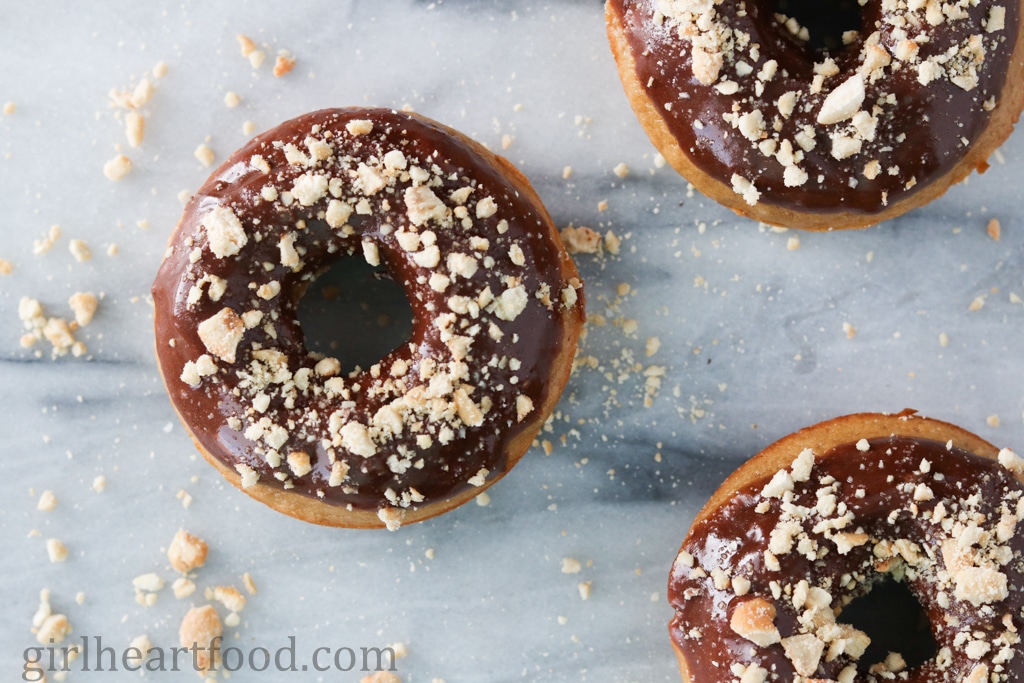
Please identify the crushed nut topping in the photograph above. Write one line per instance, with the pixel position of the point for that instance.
(853, 111)
(945, 524)
(186, 552)
(457, 242)
(197, 631)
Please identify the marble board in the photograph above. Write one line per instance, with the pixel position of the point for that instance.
(710, 337)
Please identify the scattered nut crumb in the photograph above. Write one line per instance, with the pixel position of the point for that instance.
(182, 587)
(137, 651)
(250, 585)
(80, 250)
(652, 346)
(44, 245)
(229, 596)
(283, 65)
(993, 229)
(146, 588)
(204, 154)
(44, 610)
(6, 267)
(56, 550)
(47, 501)
(53, 629)
(9, 108)
(58, 334)
(571, 565)
(621, 170)
(198, 629)
(142, 93)
(57, 331)
(150, 583)
(134, 128)
(581, 240)
(245, 44)
(612, 242)
(186, 552)
(231, 99)
(117, 168)
(99, 483)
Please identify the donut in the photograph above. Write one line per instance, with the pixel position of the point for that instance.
(741, 103)
(497, 310)
(804, 532)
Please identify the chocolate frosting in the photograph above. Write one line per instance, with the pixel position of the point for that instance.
(916, 511)
(908, 134)
(490, 289)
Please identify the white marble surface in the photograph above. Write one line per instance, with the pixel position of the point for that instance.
(752, 339)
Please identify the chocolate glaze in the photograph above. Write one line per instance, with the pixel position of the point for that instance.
(735, 537)
(535, 338)
(923, 134)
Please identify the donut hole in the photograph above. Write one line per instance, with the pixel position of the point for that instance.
(355, 313)
(825, 21)
(895, 621)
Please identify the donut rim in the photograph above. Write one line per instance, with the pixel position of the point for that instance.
(823, 437)
(314, 511)
(1000, 125)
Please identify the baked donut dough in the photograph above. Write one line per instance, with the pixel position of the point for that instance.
(735, 100)
(822, 516)
(497, 307)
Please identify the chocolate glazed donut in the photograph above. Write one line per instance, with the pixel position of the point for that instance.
(736, 101)
(827, 515)
(496, 301)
